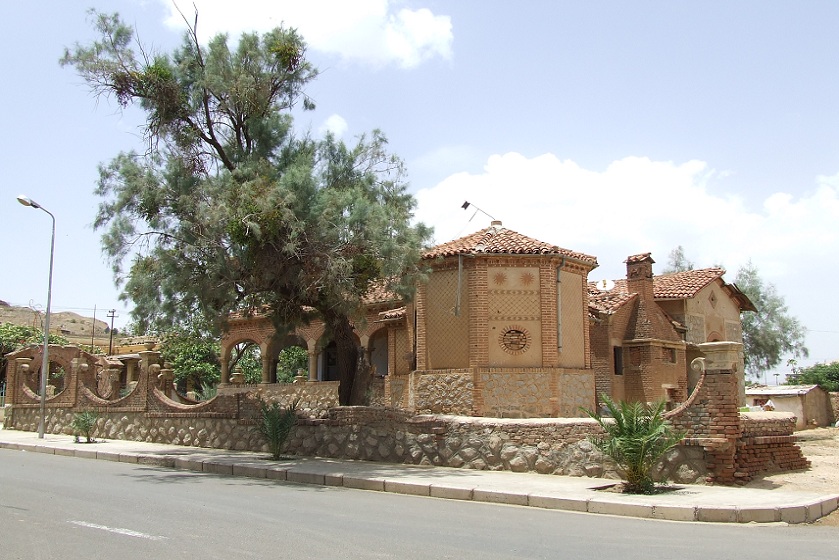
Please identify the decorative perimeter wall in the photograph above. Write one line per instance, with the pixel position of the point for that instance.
(721, 445)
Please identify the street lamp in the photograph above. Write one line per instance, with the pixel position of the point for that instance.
(45, 363)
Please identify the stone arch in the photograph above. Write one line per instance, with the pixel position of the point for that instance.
(714, 336)
(233, 346)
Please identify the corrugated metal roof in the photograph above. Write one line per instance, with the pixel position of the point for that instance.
(780, 390)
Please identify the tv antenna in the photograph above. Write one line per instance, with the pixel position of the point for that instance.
(466, 204)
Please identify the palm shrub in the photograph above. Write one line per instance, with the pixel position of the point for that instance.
(207, 392)
(636, 438)
(83, 423)
(276, 423)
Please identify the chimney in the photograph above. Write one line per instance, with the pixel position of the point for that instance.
(639, 276)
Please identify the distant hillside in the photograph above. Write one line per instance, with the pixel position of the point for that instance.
(77, 328)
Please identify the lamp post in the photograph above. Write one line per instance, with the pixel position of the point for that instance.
(45, 363)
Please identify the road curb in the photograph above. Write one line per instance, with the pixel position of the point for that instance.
(642, 507)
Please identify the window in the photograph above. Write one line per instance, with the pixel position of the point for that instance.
(617, 354)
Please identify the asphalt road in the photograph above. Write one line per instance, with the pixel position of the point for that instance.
(61, 507)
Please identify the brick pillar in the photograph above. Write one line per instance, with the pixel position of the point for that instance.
(225, 367)
(721, 399)
(130, 370)
(149, 370)
(147, 358)
(16, 377)
(266, 366)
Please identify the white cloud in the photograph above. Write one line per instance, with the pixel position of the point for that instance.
(414, 36)
(368, 31)
(336, 124)
(637, 205)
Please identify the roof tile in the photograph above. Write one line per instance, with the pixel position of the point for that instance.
(678, 285)
(498, 240)
(606, 301)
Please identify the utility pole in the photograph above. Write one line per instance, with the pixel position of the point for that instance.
(112, 313)
(93, 328)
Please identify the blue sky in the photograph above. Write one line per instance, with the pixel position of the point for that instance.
(611, 128)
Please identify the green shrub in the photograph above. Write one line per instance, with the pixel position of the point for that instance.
(83, 424)
(206, 392)
(636, 438)
(276, 424)
(289, 361)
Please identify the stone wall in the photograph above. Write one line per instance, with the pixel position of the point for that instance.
(444, 392)
(219, 433)
(516, 395)
(498, 392)
(576, 392)
(834, 405)
(548, 446)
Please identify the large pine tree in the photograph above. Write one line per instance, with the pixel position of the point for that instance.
(227, 209)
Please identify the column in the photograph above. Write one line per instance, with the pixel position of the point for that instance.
(313, 366)
(266, 367)
(225, 367)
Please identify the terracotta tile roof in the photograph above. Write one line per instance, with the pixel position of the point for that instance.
(499, 240)
(683, 285)
(677, 285)
(607, 301)
(392, 314)
(378, 292)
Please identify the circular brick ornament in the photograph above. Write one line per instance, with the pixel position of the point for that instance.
(515, 340)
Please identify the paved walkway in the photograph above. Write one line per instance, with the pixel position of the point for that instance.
(687, 503)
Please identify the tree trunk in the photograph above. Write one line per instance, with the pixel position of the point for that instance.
(361, 383)
(346, 355)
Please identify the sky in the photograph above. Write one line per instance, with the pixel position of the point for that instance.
(610, 128)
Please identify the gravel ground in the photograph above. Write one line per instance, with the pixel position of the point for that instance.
(821, 447)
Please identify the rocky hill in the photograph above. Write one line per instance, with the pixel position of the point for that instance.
(77, 328)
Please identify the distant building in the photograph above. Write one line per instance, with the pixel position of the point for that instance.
(809, 403)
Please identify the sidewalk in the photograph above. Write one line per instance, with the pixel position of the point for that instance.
(720, 504)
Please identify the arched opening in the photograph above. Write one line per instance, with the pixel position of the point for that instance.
(289, 358)
(245, 363)
(56, 379)
(328, 363)
(378, 349)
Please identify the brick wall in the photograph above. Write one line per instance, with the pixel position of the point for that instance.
(767, 444)
(737, 445)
